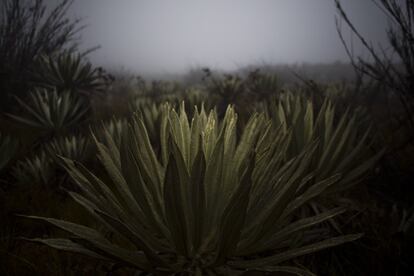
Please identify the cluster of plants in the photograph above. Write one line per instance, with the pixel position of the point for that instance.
(179, 188)
(174, 185)
(206, 200)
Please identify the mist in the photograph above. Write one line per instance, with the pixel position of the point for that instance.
(158, 36)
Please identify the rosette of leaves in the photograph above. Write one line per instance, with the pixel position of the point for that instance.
(344, 142)
(212, 202)
(8, 148)
(52, 110)
(38, 170)
(151, 114)
(69, 72)
(74, 147)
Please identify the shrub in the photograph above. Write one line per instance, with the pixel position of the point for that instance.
(392, 67)
(262, 85)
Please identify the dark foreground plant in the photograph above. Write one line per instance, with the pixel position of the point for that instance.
(211, 202)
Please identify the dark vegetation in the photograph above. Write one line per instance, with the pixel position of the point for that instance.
(245, 173)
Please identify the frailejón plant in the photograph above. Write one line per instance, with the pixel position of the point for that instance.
(69, 72)
(52, 110)
(343, 148)
(209, 202)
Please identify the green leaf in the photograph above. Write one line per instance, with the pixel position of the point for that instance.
(293, 253)
(234, 216)
(70, 246)
(174, 207)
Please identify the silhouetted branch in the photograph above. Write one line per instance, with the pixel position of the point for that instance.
(398, 76)
(27, 31)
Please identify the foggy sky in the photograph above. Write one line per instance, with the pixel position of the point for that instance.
(167, 36)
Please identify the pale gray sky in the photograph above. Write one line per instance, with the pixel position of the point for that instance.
(167, 36)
